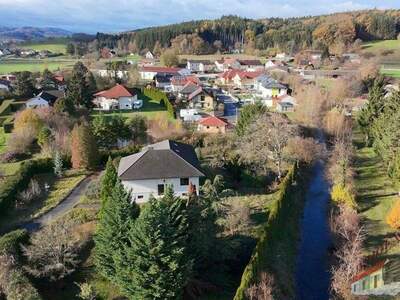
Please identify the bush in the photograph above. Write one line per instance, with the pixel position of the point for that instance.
(10, 242)
(30, 194)
(11, 156)
(12, 185)
(93, 190)
(342, 195)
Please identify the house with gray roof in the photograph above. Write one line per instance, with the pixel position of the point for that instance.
(167, 163)
(268, 87)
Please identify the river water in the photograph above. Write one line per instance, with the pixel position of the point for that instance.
(312, 270)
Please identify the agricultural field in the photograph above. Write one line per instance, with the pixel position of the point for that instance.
(52, 47)
(33, 65)
(377, 46)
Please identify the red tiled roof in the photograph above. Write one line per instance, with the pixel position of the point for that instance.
(115, 92)
(160, 69)
(369, 271)
(183, 80)
(213, 121)
(230, 74)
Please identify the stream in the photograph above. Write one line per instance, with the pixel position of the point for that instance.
(312, 269)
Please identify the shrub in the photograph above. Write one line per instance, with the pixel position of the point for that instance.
(20, 181)
(21, 141)
(342, 195)
(28, 195)
(11, 156)
(393, 217)
(93, 190)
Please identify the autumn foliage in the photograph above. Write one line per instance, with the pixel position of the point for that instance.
(83, 148)
(393, 217)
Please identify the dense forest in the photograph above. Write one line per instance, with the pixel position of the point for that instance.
(232, 32)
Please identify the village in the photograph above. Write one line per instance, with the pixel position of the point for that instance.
(203, 168)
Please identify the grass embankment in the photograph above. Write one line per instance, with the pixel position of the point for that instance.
(58, 190)
(376, 193)
(378, 46)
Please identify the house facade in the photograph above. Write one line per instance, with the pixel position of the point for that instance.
(381, 279)
(213, 125)
(118, 97)
(44, 99)
(149, 72)
(198, 66)
(268, 87)
(168, 163)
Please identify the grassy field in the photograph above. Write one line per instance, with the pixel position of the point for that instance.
(395, 73)
(378, 46)
(376, 193)
(3, 139)
(53, 47)
(33, 65)
(214, 57)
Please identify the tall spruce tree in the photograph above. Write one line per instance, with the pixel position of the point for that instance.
(155, 263)
(108, 182)
(79, 88)
(113, 229)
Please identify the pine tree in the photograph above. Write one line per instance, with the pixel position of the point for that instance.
(108, 182)
(78, 89)
(155, 264)
(83, 148)
(113, 229)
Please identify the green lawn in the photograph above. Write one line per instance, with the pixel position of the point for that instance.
(61, 188)
(3, 139)
(53, 47)
(37, 65)
(376, 194)
(377, 46)
(395, 73)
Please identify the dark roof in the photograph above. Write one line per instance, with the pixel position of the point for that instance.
(166, 159)
(189, 88)
(51, 96)
(163, 78)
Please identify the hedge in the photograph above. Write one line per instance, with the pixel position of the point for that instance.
(125, 151)
(11, 185)
(18, 286)
(280, 214)
(160, 96)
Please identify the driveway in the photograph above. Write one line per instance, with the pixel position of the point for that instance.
(63, 207)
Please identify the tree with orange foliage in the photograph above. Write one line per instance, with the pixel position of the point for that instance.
(28, 118)
(83, 148)
(393, 217)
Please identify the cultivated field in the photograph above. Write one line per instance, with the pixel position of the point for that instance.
(53, 47)
(378, 46)
(33, 65)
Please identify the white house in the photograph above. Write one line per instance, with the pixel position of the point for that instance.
(269, 87)
(149, 72)
(44, 99)
(167, 163)
(226, 64)
(199, 66)
(118, 97)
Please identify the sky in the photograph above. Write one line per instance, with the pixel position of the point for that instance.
(121, 15)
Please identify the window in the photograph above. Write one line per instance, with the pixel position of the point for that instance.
(184, 181)
(140, 197)
(376, 278)
(160, 189)
(184, 194)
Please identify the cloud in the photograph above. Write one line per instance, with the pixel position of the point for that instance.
(118, 15)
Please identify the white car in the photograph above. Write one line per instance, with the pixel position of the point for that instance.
(137, 104)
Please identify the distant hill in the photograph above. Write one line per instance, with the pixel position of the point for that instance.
(231, 32)
(31, 33)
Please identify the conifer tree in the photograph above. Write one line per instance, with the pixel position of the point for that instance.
(108, 182)
(79, 88)
(58, 164)
(155, 264)
(113, 229)
(83, 148)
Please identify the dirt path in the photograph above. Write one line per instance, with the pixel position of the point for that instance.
(63, 207)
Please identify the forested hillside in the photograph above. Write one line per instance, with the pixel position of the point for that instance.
(231, 32)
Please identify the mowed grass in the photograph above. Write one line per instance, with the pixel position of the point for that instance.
(376, 194)
(52, 47)
(377, 46)
(3, 139)
(38, 65)
(395, 73)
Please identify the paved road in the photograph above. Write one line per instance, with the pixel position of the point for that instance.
(62, 208)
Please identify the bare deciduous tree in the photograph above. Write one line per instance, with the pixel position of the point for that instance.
(266, 140)
(263, 289)
(52, 254)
